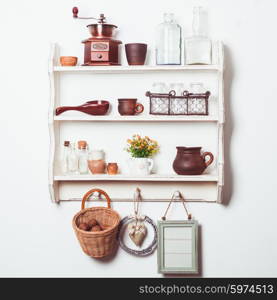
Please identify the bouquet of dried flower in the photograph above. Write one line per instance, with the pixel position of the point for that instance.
(142, 147)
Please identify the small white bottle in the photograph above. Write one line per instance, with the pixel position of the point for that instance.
(198, 48)
(72, 160)
(64, 158)
(82, 157)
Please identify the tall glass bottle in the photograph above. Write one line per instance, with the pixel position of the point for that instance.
(64, 158)
(82, 157)
(168, 42)
(72, 160)
(198, 48)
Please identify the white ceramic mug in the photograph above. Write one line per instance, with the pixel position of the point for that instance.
(140, 166)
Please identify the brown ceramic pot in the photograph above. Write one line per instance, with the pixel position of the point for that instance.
(97, 166)
(190, 161)
(136, 53)
(129, 106)
(112, 168)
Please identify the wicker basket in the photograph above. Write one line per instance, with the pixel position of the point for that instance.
(101, 243)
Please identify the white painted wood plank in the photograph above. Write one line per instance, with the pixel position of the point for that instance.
(51, 126)
(177, 233)
(144, 200)
(221, 116)
(134, 69)
(151, 118)
(119, 177)
(178, 245)
(176, 260)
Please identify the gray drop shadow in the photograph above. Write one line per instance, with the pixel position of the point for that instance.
(200, 262)
(228, 128)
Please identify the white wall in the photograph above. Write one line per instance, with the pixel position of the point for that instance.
(238, 239)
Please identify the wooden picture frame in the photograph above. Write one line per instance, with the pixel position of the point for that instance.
(178, 247)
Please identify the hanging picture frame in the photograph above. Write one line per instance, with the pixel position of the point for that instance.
(178, 244)
(178, 247)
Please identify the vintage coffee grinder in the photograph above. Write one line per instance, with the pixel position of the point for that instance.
(101, 49)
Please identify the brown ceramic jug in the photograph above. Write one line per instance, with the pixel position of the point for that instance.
(190, 161)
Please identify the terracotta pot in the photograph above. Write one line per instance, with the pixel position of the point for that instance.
(112, 168)
(136, 53)
(97, 166)
(129, 106)
(68, 60)
(190, 161)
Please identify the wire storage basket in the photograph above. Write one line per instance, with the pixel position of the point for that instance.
(100, 243)
(186, 104)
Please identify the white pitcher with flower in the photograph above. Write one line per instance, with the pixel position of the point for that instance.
(141, 150)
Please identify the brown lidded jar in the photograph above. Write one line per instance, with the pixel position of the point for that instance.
(66, 143)
(112, 168)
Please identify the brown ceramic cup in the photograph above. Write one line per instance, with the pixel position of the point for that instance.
(136, 53)
(129, 106)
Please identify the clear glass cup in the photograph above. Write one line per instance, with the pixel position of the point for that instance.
(159, 87)
(159, 105)
(178, 87)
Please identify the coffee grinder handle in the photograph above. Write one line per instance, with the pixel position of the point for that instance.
(75, 11)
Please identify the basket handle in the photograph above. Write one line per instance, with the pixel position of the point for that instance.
(101, 192)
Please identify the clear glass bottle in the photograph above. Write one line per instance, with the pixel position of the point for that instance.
(82, 157)
(72, 160)
(198, 48)
(64, 158)
(168, 42)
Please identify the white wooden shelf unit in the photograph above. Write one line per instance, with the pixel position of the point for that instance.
(54, 121)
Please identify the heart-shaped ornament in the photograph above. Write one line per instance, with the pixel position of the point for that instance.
(137, 232)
